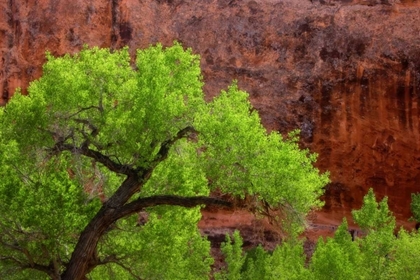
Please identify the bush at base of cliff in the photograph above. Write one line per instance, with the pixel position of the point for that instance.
(415, 206)
(378, 254)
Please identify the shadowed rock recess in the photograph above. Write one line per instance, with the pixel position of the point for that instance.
(347, 73)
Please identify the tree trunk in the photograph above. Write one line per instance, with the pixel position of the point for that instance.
(83, 258)
(84, 255)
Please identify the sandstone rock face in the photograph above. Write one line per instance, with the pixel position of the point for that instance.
(347, 73)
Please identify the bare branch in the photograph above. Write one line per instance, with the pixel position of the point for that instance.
(128, 270)
(22, 265)
(84, 109)
(174, 200)
(114, 259)
(93, 128)
(47, 269)
(14, 246)
(165, 147)
(99, 157)
(163, 152)
(13, 259)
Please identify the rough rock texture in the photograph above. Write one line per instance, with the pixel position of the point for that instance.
(347, 73)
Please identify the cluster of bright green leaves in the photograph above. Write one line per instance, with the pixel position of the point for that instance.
(377, 254)
(234, 258)
(287, 261)
(379, 223)
(336, 258)
(243, 159)
(253, 160)
(43, 211)
(374, 216)
(182, 173)
(404, 259)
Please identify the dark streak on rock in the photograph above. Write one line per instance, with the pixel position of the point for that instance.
(125, 31)
(114, 23)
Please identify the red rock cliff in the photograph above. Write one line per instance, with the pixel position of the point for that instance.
(347, 73)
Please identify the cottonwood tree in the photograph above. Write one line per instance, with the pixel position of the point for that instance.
(105, 165)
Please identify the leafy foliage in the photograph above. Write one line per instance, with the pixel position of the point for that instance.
(287, 261)
(379, 223)
(404, 262)
(43, 208)
(377, 254)
(98, 140)
(415, 206)
(234, 257)
(336, 258)
(374, 216)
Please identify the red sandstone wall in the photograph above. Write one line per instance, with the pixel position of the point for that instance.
(345, 72)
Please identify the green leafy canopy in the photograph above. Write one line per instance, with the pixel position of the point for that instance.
(98, 140)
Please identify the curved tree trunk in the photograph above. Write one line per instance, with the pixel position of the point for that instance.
(84, 258)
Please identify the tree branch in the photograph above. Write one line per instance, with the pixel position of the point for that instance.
(174, 200)
(124, 168)
(165, 147)
(13, 259)
(83, 109)
(47, 269)
(163, 153)
(99, 157)
(94, 129)
(22, 265)
(114, 259)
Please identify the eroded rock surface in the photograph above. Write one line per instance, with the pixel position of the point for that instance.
(347, 73)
